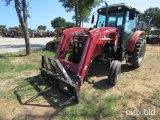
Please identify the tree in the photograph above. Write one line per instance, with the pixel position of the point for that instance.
(42, 27)
(81, 8)
(151, 16)
(58, 22)
(70, 25)
(61, 23)
(22, 13)
(3, 27)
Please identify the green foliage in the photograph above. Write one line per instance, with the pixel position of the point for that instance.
(81, 8)
(153, 13)
(3, 27)
(58, 22)
(70, 25)
(42, 27)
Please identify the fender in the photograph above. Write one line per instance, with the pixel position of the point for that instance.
(133, 40)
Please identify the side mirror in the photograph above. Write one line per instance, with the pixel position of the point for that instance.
(132, 13)
(92, 20)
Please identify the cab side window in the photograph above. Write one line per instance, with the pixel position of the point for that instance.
(130, 25)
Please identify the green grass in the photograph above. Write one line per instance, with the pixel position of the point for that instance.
(26, 66)
(9, 96)
(45, 52)
(15, 73)
(5, 65)
(92, 106)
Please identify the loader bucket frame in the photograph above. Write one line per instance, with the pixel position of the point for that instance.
(55, 70)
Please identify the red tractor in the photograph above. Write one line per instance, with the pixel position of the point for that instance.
(115, 38)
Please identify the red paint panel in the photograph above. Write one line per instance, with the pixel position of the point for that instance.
(98, 49)
(72, 66)
(133, 40)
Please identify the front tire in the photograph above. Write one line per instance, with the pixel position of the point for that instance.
(136, 57)
(114, 72)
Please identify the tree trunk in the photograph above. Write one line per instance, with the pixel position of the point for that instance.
(76, 16)
(27, 41)
(80, 19)
(23, 22)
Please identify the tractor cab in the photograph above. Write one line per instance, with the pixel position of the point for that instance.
(121, 16)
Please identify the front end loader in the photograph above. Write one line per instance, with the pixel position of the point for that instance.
(87, 45)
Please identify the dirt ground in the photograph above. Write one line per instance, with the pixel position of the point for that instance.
(141, 85)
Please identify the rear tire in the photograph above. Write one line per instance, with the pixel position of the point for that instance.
(136, 57)
(114, 72)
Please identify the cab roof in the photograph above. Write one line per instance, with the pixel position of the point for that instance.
(116, 8)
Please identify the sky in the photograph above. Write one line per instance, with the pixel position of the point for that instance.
(42, 12)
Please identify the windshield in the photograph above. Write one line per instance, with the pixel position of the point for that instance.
(114, 20)
(101, 21)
